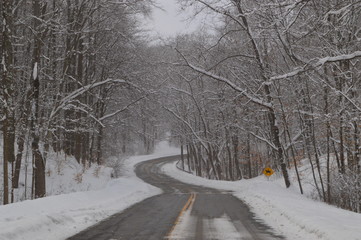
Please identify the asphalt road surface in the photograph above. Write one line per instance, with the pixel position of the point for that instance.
(183, 211)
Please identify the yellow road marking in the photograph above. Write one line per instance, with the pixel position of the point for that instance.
(188, 204)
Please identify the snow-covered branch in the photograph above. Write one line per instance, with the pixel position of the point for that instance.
(228, 82)
(63, 102)
(188, 125)
(319, 63)
(294, 139)
(264, 140)
(120, 110)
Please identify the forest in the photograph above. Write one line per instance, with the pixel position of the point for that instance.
(272, 84)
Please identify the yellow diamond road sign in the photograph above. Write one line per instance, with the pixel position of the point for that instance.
(268, 171)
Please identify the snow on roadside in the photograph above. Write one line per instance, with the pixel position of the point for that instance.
(61, 216)
(286, 211)
(63, 175)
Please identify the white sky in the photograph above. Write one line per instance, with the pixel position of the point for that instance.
(170, 22)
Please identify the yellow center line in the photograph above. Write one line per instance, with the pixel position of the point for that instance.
(188, 204)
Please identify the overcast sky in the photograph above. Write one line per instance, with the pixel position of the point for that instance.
(170, 22)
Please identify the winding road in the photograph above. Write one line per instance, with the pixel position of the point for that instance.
(183, 211)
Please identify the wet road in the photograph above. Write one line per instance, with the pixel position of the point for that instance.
(183, 211)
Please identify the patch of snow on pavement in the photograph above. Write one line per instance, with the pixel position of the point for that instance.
(59, 217)
(286, 211)
(223, 228)
(186, 227)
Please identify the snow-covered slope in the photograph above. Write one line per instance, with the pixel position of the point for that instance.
(61, 216)
(63, 175)
(289, 213)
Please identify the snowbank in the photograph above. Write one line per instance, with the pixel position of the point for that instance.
(63, 175)
(285, 210)
(61, 216)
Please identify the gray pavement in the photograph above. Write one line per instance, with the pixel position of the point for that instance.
(212, 214)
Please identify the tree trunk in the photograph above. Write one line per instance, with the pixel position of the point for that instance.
(19, 155)
(271, 115)
(236, 157)
(189, 158)
(248, 154)
(99, 145)
(288, 135)
(182, 156)
(7, 87)
(313, 139)
(328, 130)
(39, 164)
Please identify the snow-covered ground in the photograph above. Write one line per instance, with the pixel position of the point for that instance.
(289, 213)
(58, 217)
(61, 216)
(63, 175)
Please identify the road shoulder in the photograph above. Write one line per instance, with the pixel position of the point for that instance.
(287, 212)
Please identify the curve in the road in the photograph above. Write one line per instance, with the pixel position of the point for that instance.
(183, 211)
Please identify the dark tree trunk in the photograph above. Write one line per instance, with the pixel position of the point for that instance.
(328, 131)
(248, 154)
(271, 115)
(236, 157)
(19, 155)
(7, 87)
(188, 158)
(39, 164)
(182, 156)
(99, 145)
